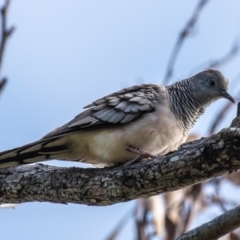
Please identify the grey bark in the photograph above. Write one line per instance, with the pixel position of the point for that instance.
(192, 163)
(216, 228)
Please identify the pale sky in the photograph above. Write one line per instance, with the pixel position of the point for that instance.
(65, 54)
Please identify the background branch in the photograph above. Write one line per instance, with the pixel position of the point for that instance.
(219, 117)
(2, 84)
(187, 30)
(5, 34)
(216, 228)
(218, 63)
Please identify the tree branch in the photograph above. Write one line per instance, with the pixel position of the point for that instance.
(193, 162)
(216, 228)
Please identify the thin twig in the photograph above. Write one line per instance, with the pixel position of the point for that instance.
(5, 33)
(187, 30)
(219, 117)
(120, 225)
(235, 82)
(225, 59)
(2, 84)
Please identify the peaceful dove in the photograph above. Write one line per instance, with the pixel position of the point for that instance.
(140, 121)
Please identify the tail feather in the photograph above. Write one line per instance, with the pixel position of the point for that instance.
(30, 153)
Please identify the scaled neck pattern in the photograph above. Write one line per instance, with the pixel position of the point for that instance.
(186, 103)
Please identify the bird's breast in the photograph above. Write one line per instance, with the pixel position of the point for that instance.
(157, 135)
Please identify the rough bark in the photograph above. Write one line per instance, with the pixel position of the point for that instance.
(192, 163)
(216, 228)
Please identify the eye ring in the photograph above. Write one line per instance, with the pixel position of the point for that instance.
(212, 82)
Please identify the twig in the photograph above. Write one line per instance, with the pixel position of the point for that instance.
(225, 59)
(187, 30)
(219, 117)
(235, 81)
(6, 32)
(216, 228)
(2, 84)
(119, 226)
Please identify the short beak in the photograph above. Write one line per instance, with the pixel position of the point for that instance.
(225, 94)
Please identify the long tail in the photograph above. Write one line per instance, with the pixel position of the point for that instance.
(34, 152)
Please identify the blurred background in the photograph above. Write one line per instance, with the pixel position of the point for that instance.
(65, 54)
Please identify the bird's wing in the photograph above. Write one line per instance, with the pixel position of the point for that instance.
(120, 107)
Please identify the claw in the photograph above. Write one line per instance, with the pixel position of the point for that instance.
(142, 154)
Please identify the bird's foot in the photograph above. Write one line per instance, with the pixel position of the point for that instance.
(118, 164)
(142, 154)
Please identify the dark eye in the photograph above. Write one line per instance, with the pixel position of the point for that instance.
(212, 82)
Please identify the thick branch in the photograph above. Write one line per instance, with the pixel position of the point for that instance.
(216, 228)
(192, 163)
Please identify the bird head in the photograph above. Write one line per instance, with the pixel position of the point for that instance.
(213, 85)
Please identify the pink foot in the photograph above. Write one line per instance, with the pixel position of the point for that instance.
(142, 154)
